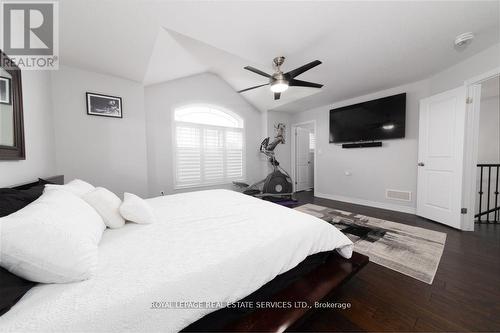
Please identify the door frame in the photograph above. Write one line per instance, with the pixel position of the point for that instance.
(294, 153)
(473, 91)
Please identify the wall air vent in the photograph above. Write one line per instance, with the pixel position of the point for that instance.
(398, 195)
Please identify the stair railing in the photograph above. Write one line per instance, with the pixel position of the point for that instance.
(488, 206)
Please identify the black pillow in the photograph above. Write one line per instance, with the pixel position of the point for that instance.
(12, 200)
(12, 288)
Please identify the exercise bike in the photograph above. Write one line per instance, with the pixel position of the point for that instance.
(278, 184)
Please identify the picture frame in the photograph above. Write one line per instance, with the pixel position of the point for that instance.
(104, 105)
(5, 90)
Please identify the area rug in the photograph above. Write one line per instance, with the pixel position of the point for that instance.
(412, 251)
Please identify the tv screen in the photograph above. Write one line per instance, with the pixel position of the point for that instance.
(380, 119)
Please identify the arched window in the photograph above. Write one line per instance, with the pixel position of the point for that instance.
(209, 146)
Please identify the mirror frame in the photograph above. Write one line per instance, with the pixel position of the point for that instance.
(16, 152)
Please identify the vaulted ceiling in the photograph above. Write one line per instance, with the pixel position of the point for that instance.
(364, 46)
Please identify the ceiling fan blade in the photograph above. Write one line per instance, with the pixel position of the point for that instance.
(261, 85)
(256, 71)
(300, 83)
(277, 96)
(302, 69)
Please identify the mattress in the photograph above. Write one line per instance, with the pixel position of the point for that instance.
(214, 246)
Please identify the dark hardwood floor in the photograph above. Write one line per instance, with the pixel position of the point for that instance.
(465, 294)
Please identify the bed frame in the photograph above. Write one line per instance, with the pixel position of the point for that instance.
(317, 285)
(59, 180)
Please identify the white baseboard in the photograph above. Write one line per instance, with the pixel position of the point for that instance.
(376, 204)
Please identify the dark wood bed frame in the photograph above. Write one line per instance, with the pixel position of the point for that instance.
(55, 180)
(315, 286)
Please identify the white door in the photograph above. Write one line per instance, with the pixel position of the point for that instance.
(441, 157)
(302, 160)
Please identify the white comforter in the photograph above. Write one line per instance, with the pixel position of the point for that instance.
(214, 246)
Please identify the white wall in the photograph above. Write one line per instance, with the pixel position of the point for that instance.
(162, 99)
(373, 170)
(38, 131)
(105, 151)
(489, 131)
(455, 76)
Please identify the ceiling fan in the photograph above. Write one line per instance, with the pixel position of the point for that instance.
(280, 81)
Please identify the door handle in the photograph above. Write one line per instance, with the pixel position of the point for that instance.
(421, 164)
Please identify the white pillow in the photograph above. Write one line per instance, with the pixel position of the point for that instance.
(107, 204)
(52, 240)
(135, 209)
(76, 186)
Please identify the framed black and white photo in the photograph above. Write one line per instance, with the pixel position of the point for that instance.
(5, 92)
(104, 105)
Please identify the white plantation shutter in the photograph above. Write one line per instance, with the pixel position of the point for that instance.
(213, 155)
(207, 154)
(188, 155)
(234, 154)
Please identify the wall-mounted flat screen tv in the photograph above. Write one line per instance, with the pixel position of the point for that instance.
(380, 119)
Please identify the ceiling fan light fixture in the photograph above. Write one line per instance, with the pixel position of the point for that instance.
(279, 86)
(279, 81)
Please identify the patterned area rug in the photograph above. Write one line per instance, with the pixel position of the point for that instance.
(413, 251)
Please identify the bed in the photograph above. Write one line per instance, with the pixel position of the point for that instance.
(207, 251)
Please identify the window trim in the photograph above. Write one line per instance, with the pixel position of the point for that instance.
(176, 123)
(210, 106)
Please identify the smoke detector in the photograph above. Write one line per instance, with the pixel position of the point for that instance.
(464, 39)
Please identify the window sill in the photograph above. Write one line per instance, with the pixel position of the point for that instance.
(201, 186)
